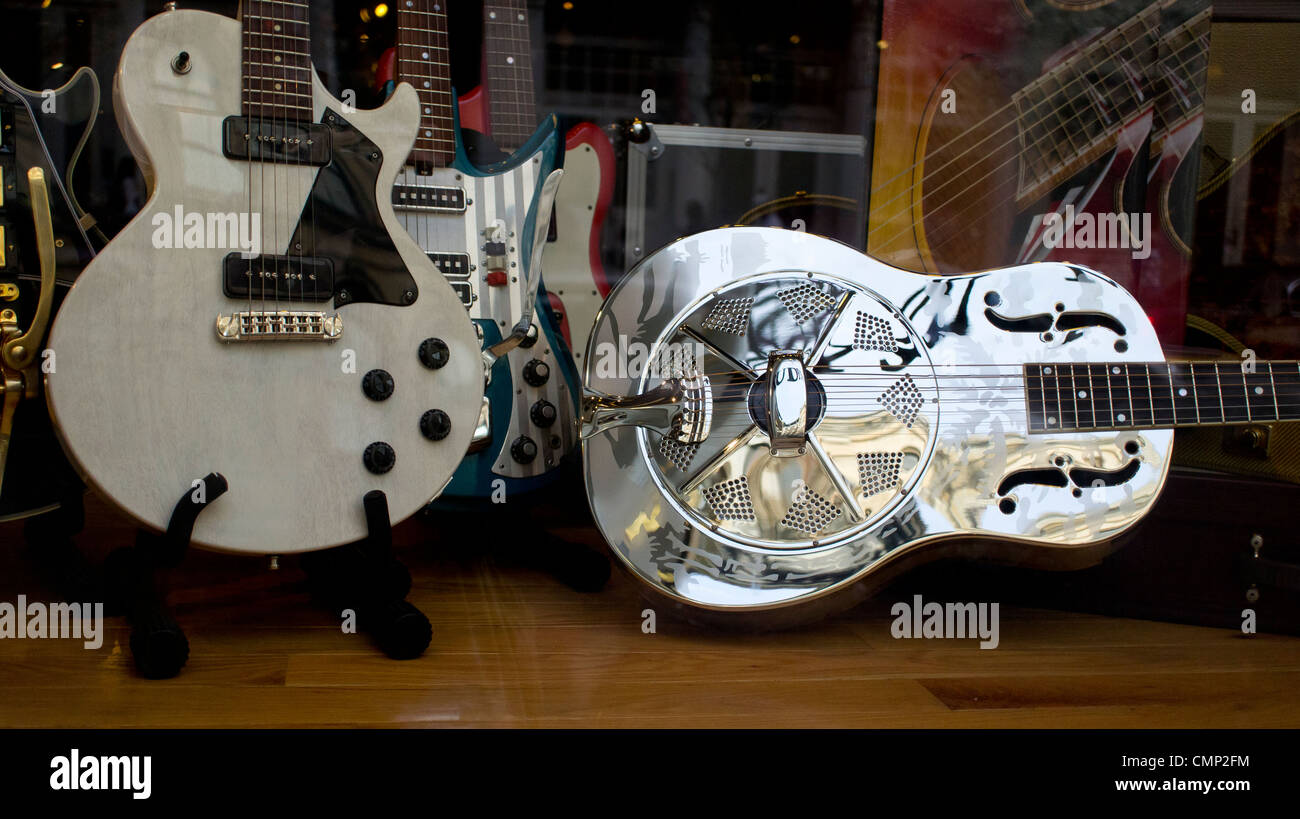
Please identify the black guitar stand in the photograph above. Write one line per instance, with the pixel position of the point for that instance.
(158, 645)
(367, 580)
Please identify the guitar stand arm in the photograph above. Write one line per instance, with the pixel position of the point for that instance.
(366, 579)
(158, 645)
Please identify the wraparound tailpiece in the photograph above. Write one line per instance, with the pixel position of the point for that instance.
(680, 407)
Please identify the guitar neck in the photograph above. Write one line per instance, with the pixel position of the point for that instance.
(1180, 73)
(1078, 397)
(508, 72)
(423, 60)
(1069, 115)
(276, 60)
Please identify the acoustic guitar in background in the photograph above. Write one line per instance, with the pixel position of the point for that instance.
(969, 169)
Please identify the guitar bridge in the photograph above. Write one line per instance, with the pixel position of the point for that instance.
(279, 325)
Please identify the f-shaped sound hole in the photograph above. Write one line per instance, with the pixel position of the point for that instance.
(1080, 476)
(1042, 322)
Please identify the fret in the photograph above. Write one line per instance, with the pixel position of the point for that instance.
(1121, 395)
(1259, 392)
(1035, 397)
(1184, 396)
(1205, 386)
(423, 60)
(1064, 403)
(1286, 380)
(1099, 391)
(1232, 384)
(277, 80)
(1162, 395)
(1139, 389)
(1081, 395)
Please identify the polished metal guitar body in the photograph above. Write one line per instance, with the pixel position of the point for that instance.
(911, 391)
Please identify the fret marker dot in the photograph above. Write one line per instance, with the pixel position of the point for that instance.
(510, 60)
(1121, 418)
(1182, 392)
(426, 83)
(1115, 370)
(425, 55)
(428, 110)
(492, 15)
(1259, 390)
(1051, 420)
(1047, 371)
(277, 26)
(428, 133)
(277, 58)
(1083, 393)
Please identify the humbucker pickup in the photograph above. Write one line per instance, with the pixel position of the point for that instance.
(279, 325)
(428, 198)
(291, 278)
(271, 140)
(455, 269)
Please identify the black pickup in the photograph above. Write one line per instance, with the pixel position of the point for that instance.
(291, 278)
(270, 140)
(428, 197)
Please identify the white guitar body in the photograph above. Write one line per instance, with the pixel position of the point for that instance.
(148, 399)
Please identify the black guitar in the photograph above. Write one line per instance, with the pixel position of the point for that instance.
(45, 241)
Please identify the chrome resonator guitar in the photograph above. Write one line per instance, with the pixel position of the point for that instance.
(790, 423)
(265, 316)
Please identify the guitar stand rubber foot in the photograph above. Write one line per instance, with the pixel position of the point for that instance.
(400, 630)
(574, 564)
(158, 644)
(367, 579)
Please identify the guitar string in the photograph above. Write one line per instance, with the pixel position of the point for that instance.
(1121, 67)
(1063, 128)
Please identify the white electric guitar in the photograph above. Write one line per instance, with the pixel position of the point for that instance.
(265, 316)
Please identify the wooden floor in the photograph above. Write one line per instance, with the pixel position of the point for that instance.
(512, 647)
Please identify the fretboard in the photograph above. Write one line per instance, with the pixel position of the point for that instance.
(423, 60)
(277, 60)
(1180, 87)
(1068, 116)
(508, 64)
(1076, 397)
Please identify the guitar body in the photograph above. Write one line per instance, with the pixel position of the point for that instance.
(504, 196)
(45, 132)
(578, 281)
(148, 399)
(922, 451)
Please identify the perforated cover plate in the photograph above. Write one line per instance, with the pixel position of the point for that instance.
(729, 316)
(903, 399)
(873, 333)
(805, 301)
(810, 512)
(878, 471)
(730, 500)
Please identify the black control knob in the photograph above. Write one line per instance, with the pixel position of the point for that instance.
(377, 385)
(543, 413)
(530, 338)
(524, 450)
(379, 457)
(435, 425)
(434, 353)
(536, 372)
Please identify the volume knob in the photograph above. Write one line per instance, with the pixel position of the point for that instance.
(523, 450)
(379, 457)
(435, 425)
(542, 413)
(377, 385)
(536, 372)
(434, 353)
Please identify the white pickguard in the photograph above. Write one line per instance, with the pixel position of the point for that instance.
(503, 197)
(148, 400)
(568, 258)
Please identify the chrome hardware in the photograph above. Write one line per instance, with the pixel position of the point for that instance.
(681, 408)
(787, 404)
(279, 325)
(483, 429)
(19, 372)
